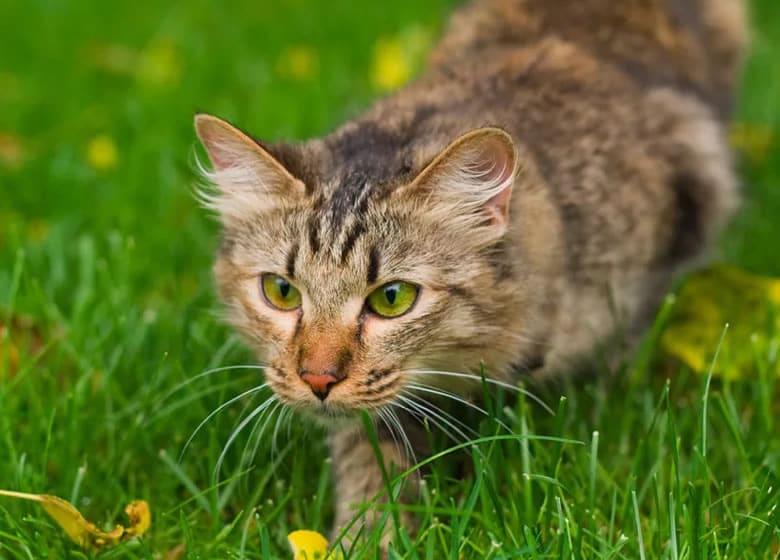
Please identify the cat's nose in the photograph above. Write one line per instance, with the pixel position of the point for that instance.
(320, 383)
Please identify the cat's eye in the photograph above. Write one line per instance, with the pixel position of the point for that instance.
(392, 299)
(279, 293)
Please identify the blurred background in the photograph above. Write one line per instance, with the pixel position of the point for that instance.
(106, 298)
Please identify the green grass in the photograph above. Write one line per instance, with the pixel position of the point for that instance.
(112, 270)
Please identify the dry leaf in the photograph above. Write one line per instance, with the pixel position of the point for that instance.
(81, 531)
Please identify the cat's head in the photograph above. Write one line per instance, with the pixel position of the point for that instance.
(344, 278)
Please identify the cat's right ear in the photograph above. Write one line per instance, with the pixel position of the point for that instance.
(247, 177)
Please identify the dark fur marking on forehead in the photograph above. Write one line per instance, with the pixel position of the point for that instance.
(351, 197)
(367, 157)
(354, 234)
(373, 266)
(291, 256)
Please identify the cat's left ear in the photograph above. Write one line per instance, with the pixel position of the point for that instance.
(472, 178)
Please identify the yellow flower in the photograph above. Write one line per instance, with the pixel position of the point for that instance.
(159, 64)
(309, 545)
(390, 69)
(101, 153)
(298, 63)
(397, 58)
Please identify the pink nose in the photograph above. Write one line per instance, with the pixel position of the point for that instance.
(320, 383)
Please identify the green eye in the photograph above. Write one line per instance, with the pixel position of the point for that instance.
(392, 299)
(280, 293)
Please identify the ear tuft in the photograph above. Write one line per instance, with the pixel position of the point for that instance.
(247, 177)
(473, 177)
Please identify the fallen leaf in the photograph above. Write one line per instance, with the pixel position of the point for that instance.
(308, 545)
(81, 531)
(709, 300)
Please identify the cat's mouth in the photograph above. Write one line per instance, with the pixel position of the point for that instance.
(345, 399)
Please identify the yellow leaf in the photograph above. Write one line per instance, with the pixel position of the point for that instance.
(81, 531)
(101, 153)
(710, 299)
(308, 545)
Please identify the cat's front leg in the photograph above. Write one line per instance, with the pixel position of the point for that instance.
(358, 479)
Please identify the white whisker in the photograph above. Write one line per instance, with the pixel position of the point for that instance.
(457, 398)
(256, 435)
(474, 377)
(216, 411)
(441, 421)
(212, 371)
(252, 415)
(410, 455)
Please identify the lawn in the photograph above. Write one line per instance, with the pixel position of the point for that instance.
(110, 320)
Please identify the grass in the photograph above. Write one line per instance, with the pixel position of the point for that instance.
(104, 277)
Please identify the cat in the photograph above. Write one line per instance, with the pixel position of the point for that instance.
(531, 195)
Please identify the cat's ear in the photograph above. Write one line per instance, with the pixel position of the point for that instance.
(472, 178)
(247, 177)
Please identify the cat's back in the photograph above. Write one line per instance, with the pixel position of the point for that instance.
(693, 45)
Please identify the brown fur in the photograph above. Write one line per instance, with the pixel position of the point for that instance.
(616, 175)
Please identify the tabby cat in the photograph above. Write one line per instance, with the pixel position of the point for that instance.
(532, 194)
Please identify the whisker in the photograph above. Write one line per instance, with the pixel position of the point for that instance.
(216, 411)
(444, 423)
(381, 414)
(457, 398)
(486, 379)
(212, 371)
(279, 420)
(251, 416)
(256, 435)
(407, 444)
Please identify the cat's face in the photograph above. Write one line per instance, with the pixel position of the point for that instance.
(343, 292)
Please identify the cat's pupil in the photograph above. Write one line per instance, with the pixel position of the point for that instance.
(284, 288)
(390, 293)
